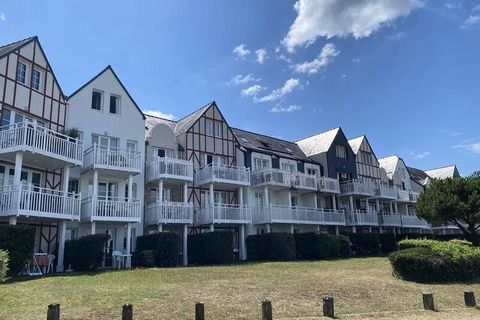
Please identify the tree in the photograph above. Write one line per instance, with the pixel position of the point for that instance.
(455, 201)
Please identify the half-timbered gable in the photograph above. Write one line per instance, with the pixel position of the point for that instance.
(368, 168)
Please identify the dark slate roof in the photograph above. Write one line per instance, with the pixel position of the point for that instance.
(270, 145)
(152, 121)
(188, 121)
(9, 48)
(418, 175)
(109, 67)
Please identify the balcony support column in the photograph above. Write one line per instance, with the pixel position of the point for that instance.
(95, 185)
(243, 254)
(93, 226)
(66, 178)
(185, 244)
(18, 168)
(212, 205)
(267, 227)
(337, 231)
(292, 229)
(334, 202)
(289, 198)
(377, 205)
(130, 188)
(160, 227)
(160, 190)
(395, 205)
(12, 221)
(240, 196)
(354, 229)
(380, 230)
(352, 204)
(406, 208)
(62, 230)
(212, 227)
(128, 263)
(185, 192)
(266, 197)
(315, 205)
(391, 207)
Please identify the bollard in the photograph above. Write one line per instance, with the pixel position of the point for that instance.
(469, 297)
(199, 311)
(53, 312)
(127, 312)
(428, 301)
(328, 310)
(266, 309)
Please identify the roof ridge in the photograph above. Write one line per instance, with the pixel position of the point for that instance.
(162, 118)
(317, 134)
(442, 167)
(15, 42)
(263, 135)
(392, 155)
(207, 104)
(360, 136)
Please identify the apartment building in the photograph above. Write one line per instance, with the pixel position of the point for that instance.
(111, 181)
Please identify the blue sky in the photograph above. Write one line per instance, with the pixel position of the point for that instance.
(404, 72)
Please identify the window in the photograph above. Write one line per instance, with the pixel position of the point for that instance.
(71, 234)
(6, 117)
(341, 151)
(73, 185)
(134, 190)
(36, 180)
(132, 146)
(107, 190)
(213, 128)
(36, 76)
(105, 143)
(97, 100)
(342, 176)
(259, 164)
(2, 175)
(209, 127)
(217, 132)
(164, 153)
(288, 167)
(311, 171)
(21, 72)
(114, 104)
(366, 158)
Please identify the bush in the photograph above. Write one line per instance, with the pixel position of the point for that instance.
(144, 258)
(211, 248)
(343, 245)
(435, 261)
(166, 247)
(365, 244)
(86, 253)
(271, 246)
(312, 245)
(3, 265)
(388, 242)
(19, 241)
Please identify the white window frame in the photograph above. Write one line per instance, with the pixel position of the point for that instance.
(102, 94)
(22, 78)
(117, 106)
(217, 129)
(260, 164)
(209, 127)
(288, 167)
(36, 85)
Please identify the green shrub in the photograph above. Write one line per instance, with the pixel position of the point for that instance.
(211, 248)
(86, 253)
(19, 241)
(366, 244)
(435, 261)
(312, 245)
(3, 265)
(166, 247)
(388, 242)
(459, 241)
(343, 245)
(271, 246)
(144, 258)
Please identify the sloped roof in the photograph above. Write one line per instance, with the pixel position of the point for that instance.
(9, 48)
(187, 122)
(443, 172)
(152, 121)
(418, 175)
(355, 143)
(318, 143)
(109, 67)
(270, 145)
(389, 164)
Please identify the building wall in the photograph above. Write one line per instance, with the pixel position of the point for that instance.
(367, 171)
(335, 165)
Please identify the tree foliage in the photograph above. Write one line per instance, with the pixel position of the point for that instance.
(455, 201)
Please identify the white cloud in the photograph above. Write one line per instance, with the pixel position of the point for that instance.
(159, 114)
(396, 36)
(240, 79)
(251, 91)
(421, 155)
(291, 108)
(453, 5)
(324, 58)
(472, 147)
(473, 19)
(241, 51)
(261, 55)
(279, 93)
(356, 60)
(3, 17)
(330, 18)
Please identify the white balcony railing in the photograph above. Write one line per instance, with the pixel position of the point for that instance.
(168, 212)
(297, 215)
(113, 158)
(403, 195)
(31, 201)
(357, 187)
(271, 177)
(413, 196)
(361, 218)
(224, 214)
(169, 168)
(414, 222)
(219, 173)
(304, 181)
(385, 192)
(328, 185)
(390, 220)
(114, 210)
(26, 136)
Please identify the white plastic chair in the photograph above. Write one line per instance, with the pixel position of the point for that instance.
(118, 256)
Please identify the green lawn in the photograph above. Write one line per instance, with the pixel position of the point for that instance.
(362, 288)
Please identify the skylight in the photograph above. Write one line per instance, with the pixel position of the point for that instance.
(289, 150)
(244, 139)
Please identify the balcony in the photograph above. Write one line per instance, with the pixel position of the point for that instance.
(274, 178)
(413, 196)
(42, 147)
(390, 220)
(357, 188)
(304, 182)
(111, 210)
(361, 218)
(297, 215)
(385, 192)
(414, 222)
(224, 214)
(223, 175)
(328, 185)
(31, 201)
(403, 195)
(169, 213)
(175, 170)
(113, 161)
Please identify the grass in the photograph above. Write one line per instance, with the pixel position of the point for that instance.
(363, 288)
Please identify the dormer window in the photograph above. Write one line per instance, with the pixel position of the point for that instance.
(114, 104)
(21, 72)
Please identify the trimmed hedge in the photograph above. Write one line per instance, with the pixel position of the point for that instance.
(19, 241)
(388, 242)
(165, 247)
(86, 253)
(343, 245)
(311, 245)
(435, 261)
(144, 258)
(271, 246)
(365, 244)
(210, 248)
(3, 265)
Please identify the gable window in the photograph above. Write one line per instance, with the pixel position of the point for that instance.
(97, 100)
(36, 77)
(114, 104)
(213, 128)
(217, 129)
(341, 151)
(209, 127)
(21, 72)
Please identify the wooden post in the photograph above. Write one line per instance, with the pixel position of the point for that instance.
(127, 312)
(266, 309)
(199, 311)
(428, 301)
(53, 312)
(328, 310)
(469, 299)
